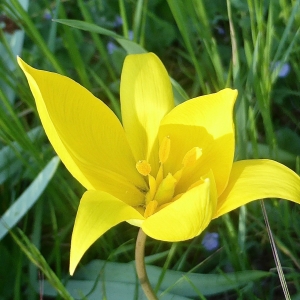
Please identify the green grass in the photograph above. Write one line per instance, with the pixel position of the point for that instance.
(205, 46)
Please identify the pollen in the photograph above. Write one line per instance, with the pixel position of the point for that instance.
(143, 167)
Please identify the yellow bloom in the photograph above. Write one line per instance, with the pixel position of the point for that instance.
(166, 169)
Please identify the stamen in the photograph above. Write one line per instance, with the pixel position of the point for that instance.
(164, 149)
(152, 189)
(150, 208)
(165, 191)
(192, 156)
(160, 175)
(143, 167)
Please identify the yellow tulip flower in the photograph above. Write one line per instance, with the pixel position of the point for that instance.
(166, 169)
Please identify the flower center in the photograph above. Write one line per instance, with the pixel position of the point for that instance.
(162, 187)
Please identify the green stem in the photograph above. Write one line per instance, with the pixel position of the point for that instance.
(140, 265)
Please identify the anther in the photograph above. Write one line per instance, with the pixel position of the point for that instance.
(164, 149)
(143, 167)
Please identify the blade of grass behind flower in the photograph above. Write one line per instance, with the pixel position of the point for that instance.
(35, 238)
(199, 16)
(288, 30)
(13, 156)
(241, 130)
(10, 46)
(181, 17)
(241, 103)
(166, 266)
(124, 19)
(264, 46)
(21, 206)
(179, 265)
(261, 61)
(114, 102)
(139, 21)
(97, 41)
(253, 134)
(263, 57)
(51, 42)
(231, 239)
(12, 130)
(24, 20)
(179, 93)
(73, 50)
(285, 56)
(275, 254)
(34, 255)
(129, 46)
(264, 88)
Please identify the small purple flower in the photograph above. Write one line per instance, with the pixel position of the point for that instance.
(210, 241)
(111, 47)
(118, 21)
(285, 69)
(220, 30)
(47, 15)
(130, 34)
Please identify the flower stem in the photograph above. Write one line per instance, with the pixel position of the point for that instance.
(140, 265)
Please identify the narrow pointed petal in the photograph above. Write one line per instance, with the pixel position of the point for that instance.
(184, 218)
(205, 122)
(97, 213)
(86, 135)
(258, 179)
(146, 97)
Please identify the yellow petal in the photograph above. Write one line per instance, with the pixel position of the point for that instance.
(86, 135)
(257, 179)
(185, 218)
(146, 97)
(97, 213)
(205, 122)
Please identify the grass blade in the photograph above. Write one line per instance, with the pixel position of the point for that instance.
(21, 206)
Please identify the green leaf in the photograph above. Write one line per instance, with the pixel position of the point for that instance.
(105, 290)
(113, 276)
(129, 46)
(9, 162)
(21, 206)
(11, 45)
(35, 256)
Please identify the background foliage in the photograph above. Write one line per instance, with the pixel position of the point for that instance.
(250, 45)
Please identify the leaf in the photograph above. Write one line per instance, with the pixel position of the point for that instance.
(129, 46)
(11, 45)
(9, 162)
(35, 256)
(22, 205)
(112, 276)
(105, 290)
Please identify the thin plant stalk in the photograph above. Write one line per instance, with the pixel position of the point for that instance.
(140, 265)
